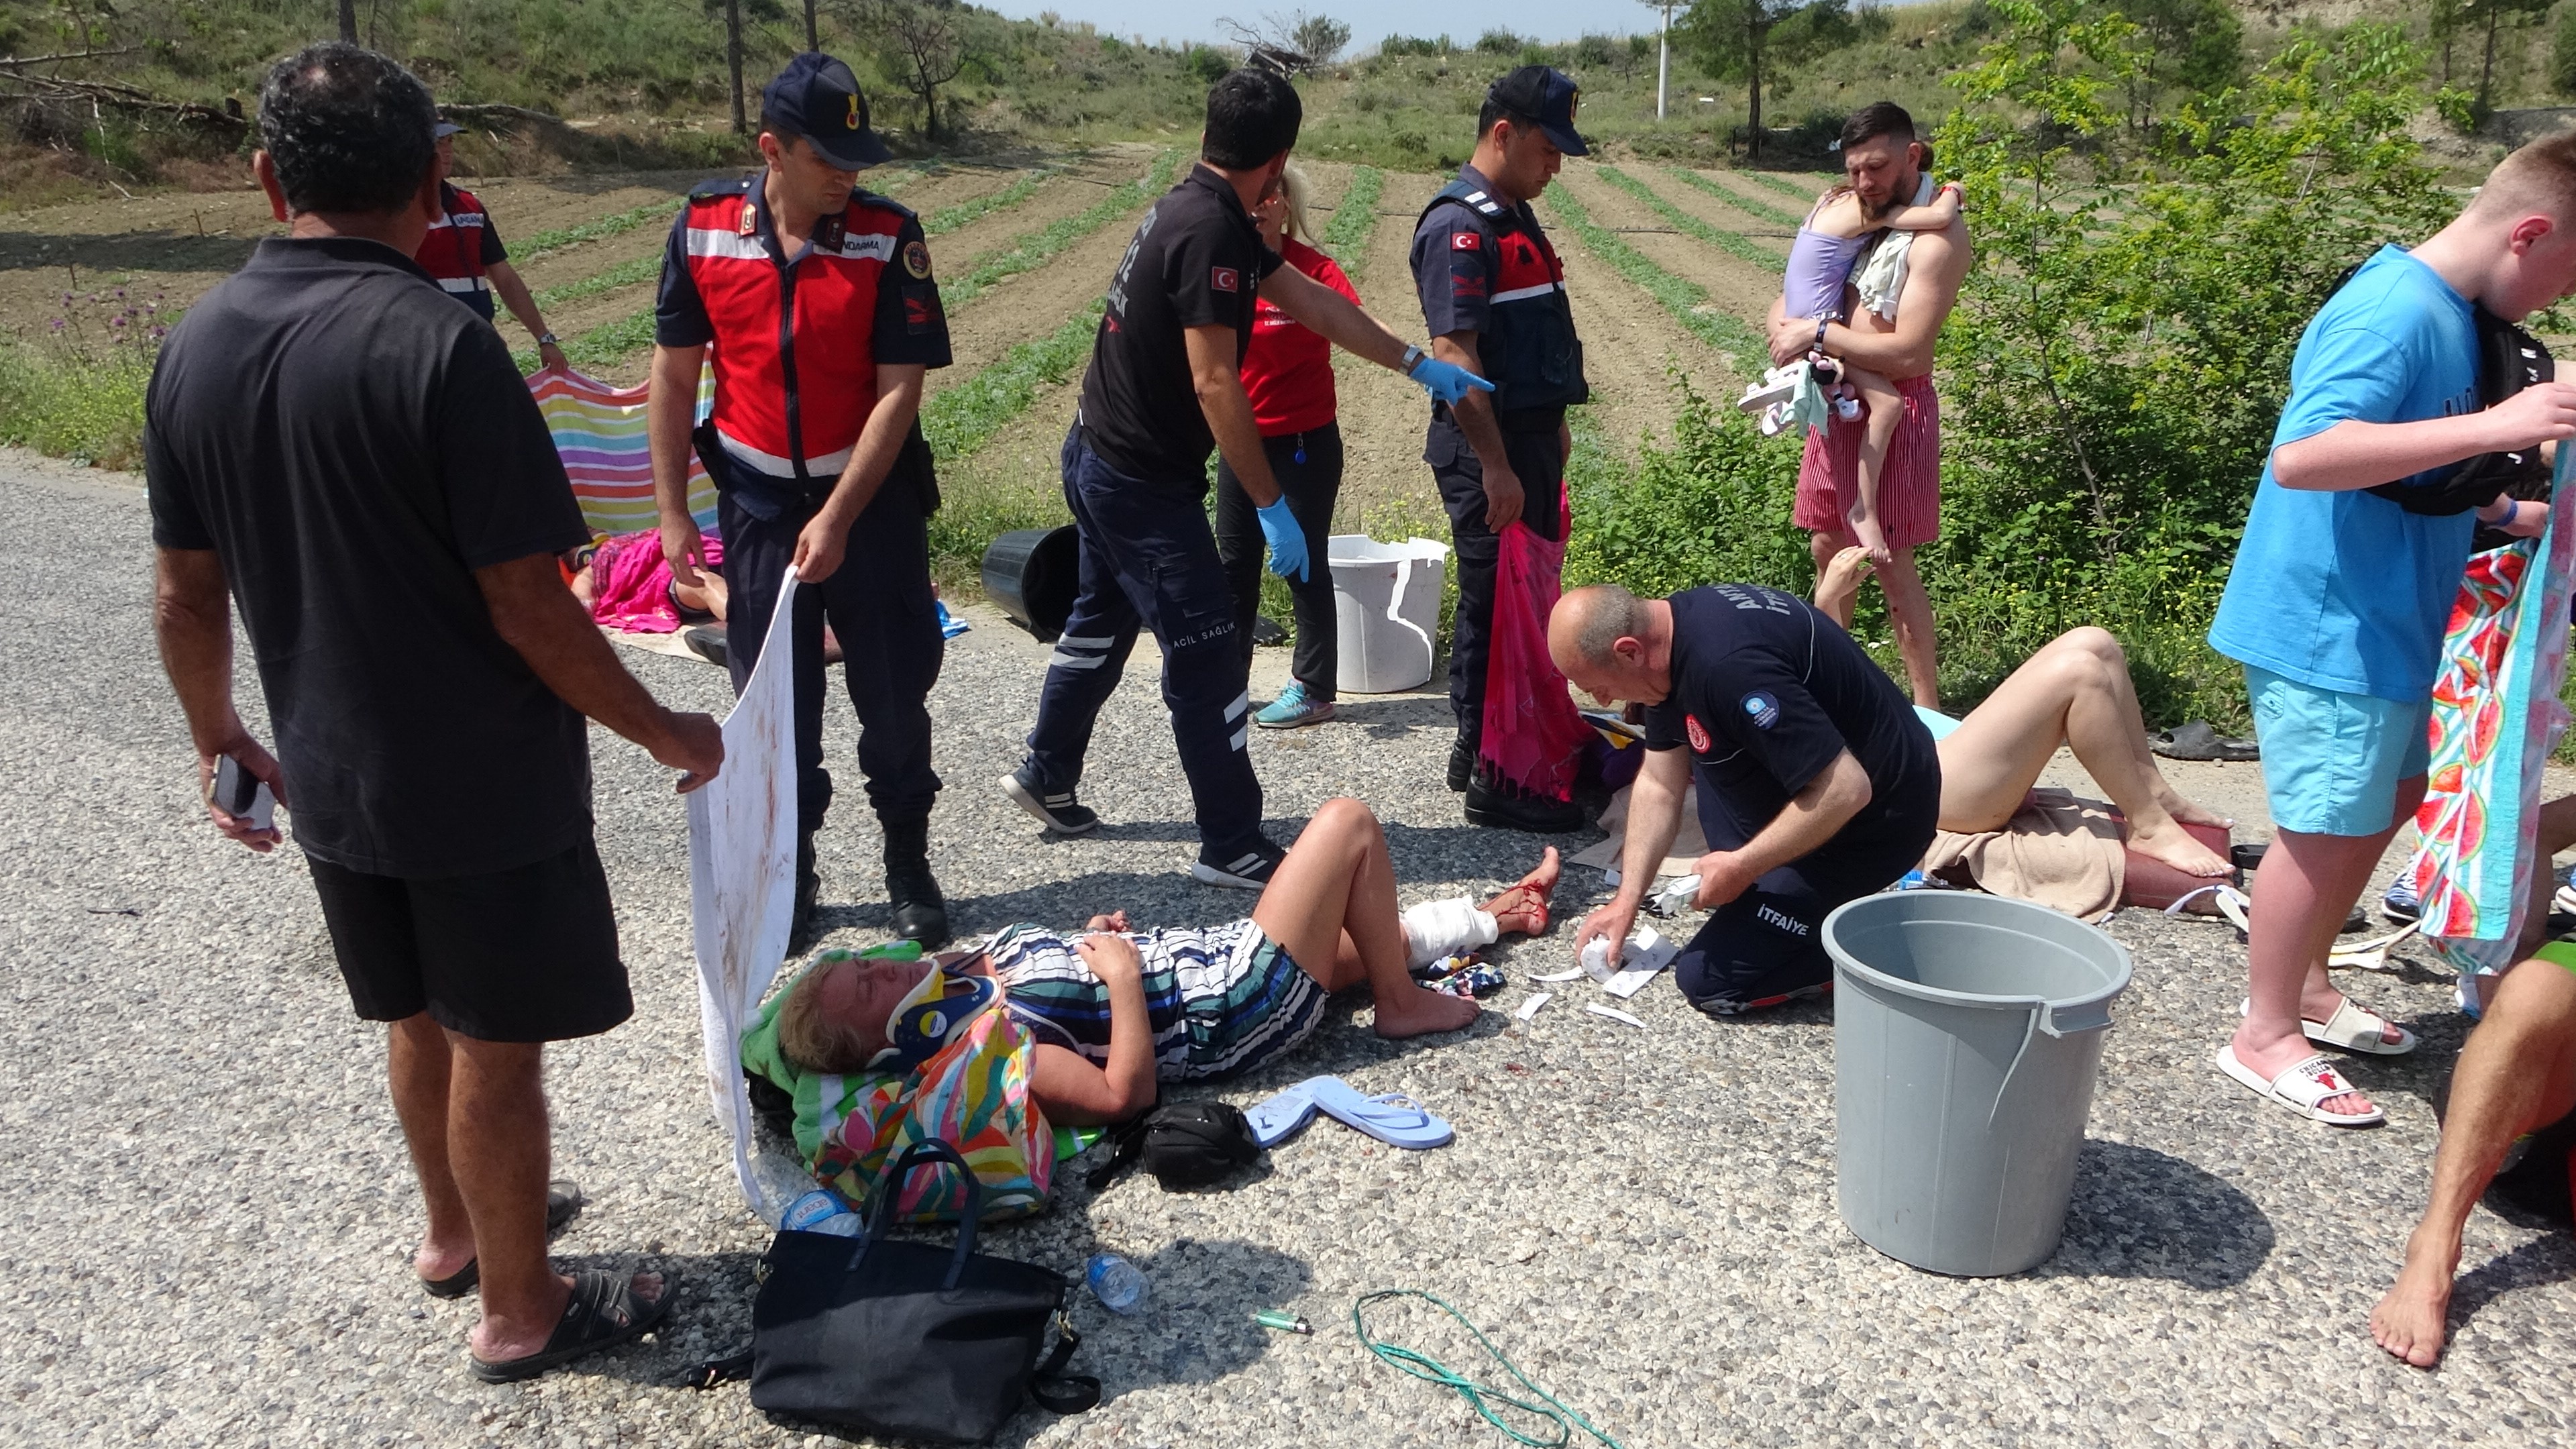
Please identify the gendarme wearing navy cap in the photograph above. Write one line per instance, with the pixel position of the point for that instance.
(1493, 299)
(818, 303)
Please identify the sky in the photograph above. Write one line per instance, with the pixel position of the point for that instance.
(1189, 20)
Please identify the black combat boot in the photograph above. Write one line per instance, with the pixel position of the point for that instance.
(920, 912)
(800, 926)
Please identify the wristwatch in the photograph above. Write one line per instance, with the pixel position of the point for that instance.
(548, 339)
(1413, 355)
(1821, 324)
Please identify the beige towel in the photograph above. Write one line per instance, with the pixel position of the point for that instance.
(2059, 850)
(1880, 278)
(1688, 844)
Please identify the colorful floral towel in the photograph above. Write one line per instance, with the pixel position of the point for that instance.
(973, 1094)
(599, 429)
(2496, 716)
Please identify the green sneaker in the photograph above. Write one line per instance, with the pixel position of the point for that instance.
(1292, 708)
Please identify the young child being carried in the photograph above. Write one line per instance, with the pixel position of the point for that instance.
(1831, 242)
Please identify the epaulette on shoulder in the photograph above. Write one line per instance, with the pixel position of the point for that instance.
(881, 202)
(719, 187)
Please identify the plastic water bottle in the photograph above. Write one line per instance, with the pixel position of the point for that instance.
(781, 1181)
(820, 1211)
(1117, 1283)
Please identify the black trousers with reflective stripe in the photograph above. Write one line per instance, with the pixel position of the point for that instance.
(882, 611)
(1149, 560)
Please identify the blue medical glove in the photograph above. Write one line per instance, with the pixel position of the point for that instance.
(1447, 380)
(1287, 540)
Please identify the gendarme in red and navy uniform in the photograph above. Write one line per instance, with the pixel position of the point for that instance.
(1485, 267)
(460, 247)
(795, 342)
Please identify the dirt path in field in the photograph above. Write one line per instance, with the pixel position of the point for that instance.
(1732, 283)
(1034, 303)
(1770, 235)
(1383, 415)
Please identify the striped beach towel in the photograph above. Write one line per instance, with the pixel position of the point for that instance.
(2496, 716)
(599, 429)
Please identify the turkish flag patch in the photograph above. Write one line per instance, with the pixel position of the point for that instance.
(1465, 241)
(1222, 278)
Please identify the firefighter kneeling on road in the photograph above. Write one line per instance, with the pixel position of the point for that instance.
(817, 301)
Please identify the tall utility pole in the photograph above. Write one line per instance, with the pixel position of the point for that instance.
(813, 37)
(348, 21)
(1664, 59)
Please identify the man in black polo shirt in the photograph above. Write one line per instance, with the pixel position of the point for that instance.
(1493, 296)
(1817, 782)
(353, 459)
(1164, 387)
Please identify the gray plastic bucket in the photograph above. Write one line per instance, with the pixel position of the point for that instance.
(1967, 1036)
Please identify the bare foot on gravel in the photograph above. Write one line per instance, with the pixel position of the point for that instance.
(1522, 909)
(2174, 846)
(1420, 1012)
(2413, 1320)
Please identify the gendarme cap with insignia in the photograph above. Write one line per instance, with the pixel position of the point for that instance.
(817, 97)
(1548, 96)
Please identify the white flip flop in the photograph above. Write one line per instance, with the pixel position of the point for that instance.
(2353, 1029)
(2301, 1088)
(2369, 955)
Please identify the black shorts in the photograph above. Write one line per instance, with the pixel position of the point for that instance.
(1767, 946)
(525, 954)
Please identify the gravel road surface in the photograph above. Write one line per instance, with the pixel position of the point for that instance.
(206, 1222)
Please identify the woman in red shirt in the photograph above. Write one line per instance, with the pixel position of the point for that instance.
(1288, 374)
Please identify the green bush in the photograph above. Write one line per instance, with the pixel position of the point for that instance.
(2120, 353)
(75, 405)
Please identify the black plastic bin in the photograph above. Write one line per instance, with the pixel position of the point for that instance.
(1033, 574)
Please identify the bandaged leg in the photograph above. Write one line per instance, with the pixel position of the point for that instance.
(1437, 929)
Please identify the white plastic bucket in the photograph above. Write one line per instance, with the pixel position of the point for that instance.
(1386, 611)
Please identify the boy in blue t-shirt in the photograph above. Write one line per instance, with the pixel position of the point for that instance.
(2338, 599)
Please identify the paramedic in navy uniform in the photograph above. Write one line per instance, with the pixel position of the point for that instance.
(1164, 387)
(1493, 297)
(816, 301)
(1818, 783)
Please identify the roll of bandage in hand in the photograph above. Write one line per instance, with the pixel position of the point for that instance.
(1437, 929)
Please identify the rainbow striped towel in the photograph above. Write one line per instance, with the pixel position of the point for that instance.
(599, 429)
(2496, 716)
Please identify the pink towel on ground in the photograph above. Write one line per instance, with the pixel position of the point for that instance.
(631, 582)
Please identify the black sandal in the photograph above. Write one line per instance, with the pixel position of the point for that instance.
(602, 1312)
(2197, 741)
(563, 1201)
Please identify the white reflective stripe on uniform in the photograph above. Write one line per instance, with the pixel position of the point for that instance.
(1240, 736)
(1517, 294)
(1076, 641)
(1241, 703)
(709, 241)
(462, 284)
(1076, 661)
(827, 466)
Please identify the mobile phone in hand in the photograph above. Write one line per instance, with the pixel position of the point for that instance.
(243, 795)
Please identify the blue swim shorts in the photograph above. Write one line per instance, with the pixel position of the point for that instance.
(2332, 761)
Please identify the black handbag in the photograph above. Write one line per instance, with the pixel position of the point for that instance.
(908, 1340)
(1184, 1144)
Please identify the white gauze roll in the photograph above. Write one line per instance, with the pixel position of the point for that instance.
(1436, 929)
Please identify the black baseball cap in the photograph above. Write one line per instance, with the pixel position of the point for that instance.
(817, 97)
(1546, 95)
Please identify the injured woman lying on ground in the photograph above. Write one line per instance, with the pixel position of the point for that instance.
(1115, 1011)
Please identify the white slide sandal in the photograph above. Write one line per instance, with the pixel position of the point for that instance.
(2301, 1088)
(2352, 1029)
